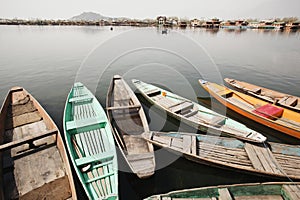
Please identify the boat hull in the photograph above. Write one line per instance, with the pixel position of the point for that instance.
(255, 117)
(90, 144)
(203, 119)
(130, 126)
(32, 151)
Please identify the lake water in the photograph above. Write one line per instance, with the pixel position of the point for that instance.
(47, 60)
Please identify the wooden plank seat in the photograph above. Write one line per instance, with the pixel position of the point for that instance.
(224, 194)
(290, 101)
(152, 93)
(124, 107)
(101, 157)
(100, 177)
(86, 124)
(141, 156)
(181, 107)
(191, 113)
(256, 90)
(81, 98)
(218, 120)
(27, 139)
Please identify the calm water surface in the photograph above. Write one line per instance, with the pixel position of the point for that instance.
(47, 60)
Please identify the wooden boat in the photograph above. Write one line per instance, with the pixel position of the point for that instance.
(91, 144)
(274, 191)
(278, 118)
(130, 126)
(274, 160)
(34, 162)
(278, 98)
(196, 115)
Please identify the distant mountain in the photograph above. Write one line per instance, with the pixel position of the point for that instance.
(90, 16)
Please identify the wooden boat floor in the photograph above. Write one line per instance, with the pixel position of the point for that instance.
(165, 102)
(135, 145)
(188, 110)
(242, 104)
(34, 170)
(93, 146)
(250, 156)
(128, 124)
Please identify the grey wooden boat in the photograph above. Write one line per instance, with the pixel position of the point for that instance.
(196, 115)
(34, 163)
(253, 191)
(130, 126)
(281, 161)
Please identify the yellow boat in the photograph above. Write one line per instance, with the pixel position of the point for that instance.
(275, 117)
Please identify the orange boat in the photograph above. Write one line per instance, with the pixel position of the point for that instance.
(275, 117)
(272, 96)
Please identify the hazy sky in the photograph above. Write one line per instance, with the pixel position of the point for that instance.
(224, 9)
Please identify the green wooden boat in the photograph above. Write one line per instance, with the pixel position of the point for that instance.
(253, 191)
(90, 143)
(195, 115)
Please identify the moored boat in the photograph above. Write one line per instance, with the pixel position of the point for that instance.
(278, 118)
(34, 162)
(90, 143)
(130, 126)
(195, 115)
(273, 160)
(272, 96)
(269, 190)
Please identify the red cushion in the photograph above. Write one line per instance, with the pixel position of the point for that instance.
(269, 111)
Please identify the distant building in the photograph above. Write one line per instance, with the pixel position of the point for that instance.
(161, 20)
(195, 23)
(214, 23)
(279, 25)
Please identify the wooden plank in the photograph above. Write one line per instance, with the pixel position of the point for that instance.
(82, 123)
(187, 142)
(123, 107)
(177, 143)
(286, 157)
(84, 98)
(194, 145)
(259, 197)
(253, 157)
(273, 162)
(182, 106)
(266, 160)
(163, 140)
(17, 110)
(292, 190)
(141, 156)
(224, 158)
(230, 151)
(27, 139)
(21, 120)
(224, 194)
(36, 169)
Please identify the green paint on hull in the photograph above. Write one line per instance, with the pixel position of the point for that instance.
(90, 144)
